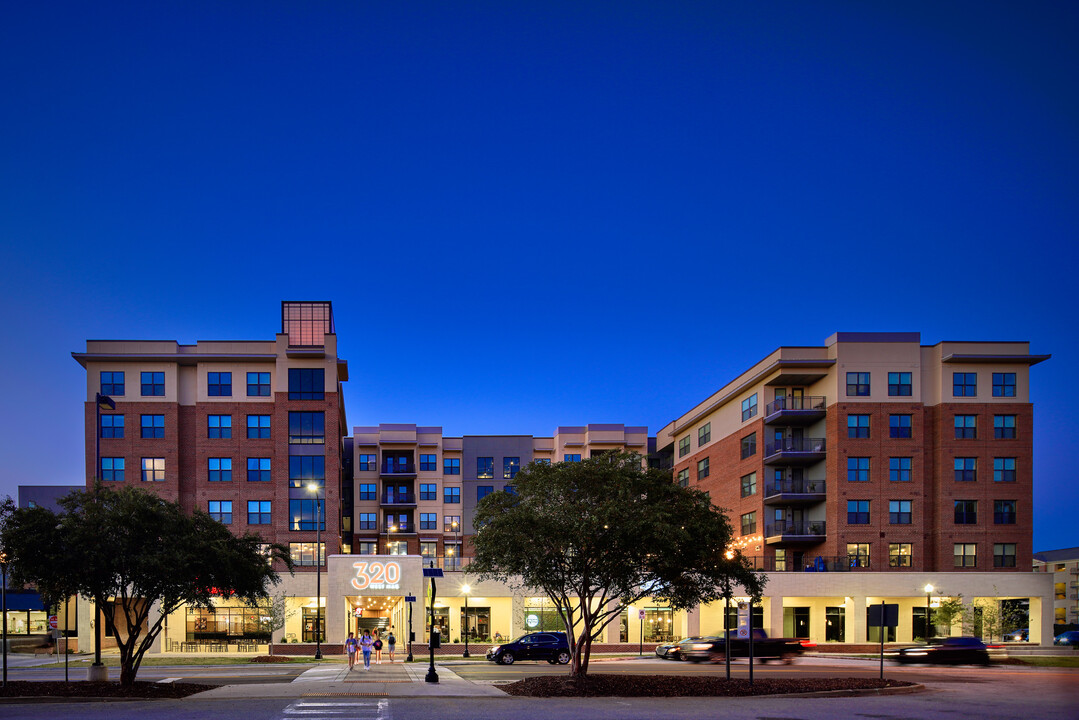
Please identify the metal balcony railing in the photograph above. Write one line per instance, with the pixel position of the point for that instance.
(398, 498)
(818, 563)
(795, 487)
(795, 445)
(390, 467)
(795, 527)
(794, 402)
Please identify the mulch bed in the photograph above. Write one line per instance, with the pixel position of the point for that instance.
(600, 685)
(270, 659)
(147, 690)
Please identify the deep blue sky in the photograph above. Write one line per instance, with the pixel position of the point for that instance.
(533, 214)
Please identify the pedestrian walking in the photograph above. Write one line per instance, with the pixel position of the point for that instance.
(391, 643)
(350, 648)
(378, 647)
(366, 642)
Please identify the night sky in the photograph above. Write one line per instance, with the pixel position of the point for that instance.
(534, 214)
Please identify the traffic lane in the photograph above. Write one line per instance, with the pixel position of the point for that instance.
(205, 674)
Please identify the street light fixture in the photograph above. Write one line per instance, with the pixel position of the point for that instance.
(465, 589)
(97, 671)
(928, 593)
(456, 544)
(313, 488)
(3, 606)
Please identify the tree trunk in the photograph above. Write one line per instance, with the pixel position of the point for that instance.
(127, 675)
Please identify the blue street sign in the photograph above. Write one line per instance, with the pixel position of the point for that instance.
(410, 598)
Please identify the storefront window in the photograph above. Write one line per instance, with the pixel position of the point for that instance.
(477, 624)
(309, 624)
(229, 624)
(623, 626)
(396, 547)
(442, 620)
(26, 622)
(835, 624)
(540, 614)
(658, 625)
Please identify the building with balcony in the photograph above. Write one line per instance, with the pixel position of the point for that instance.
(1063, 565)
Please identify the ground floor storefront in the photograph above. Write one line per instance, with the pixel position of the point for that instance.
(389, 593)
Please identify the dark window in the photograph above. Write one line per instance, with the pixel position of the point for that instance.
(218, 427)
(221, 510)
(749, 407)
(220, 469)
(857, 384)
(857, 512)
(451, 495)
(428, 491)
(857, 426)
(1003, 384)
(683, 477)
(702, 469)
(258, 469)
(899, 512)
(899, 426)
(899, 384)
(153, 383)
(483, 491)
(302, 514)
(258, 384)
(451, 466)
(899, 469)
(1004, 427)
(1003, 469)
(858, 469)
(749, 445)
(964, 384)
(112, 426)
(966, 512)
(112, 383)
(153, 426)
(966, 427)
(368, 463)
(258, 426)
(153, 469)
(428, 462)
(112, 469)
(367, 521)
(485, 467)
(305, 470)
(704, 434)
(306, 428)
(307, 384)
(1003, 555)
(219, 384)
(368, 491)
(258, 512)
(966, 469)
(428, 521)
(749, 484)
(749, 523)
(510, 467)
(572, 457)
(1004, 512)
(683, 446)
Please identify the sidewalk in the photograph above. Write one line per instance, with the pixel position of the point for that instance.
(387, 680)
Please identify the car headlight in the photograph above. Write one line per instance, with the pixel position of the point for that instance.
(918, 652)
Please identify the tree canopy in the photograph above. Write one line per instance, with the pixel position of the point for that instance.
(602, 533)
(134, 549)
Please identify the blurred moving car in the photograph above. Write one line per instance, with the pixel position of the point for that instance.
(551, 646)
(677, 650)
(764, 648)
(950, 650)
(1071, 637)
(1021, 635)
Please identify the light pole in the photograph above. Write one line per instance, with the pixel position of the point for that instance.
(318, 571)
(409, 658)
(456, 544)
(465, 629)
(97, 671)
(928, 593)
(3, 606)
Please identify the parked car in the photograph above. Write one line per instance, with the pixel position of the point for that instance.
(764, 648)
(552, 646)
(950, 650)
(1071, 637)
(678, 650)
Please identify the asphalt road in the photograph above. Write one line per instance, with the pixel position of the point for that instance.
(207, 674)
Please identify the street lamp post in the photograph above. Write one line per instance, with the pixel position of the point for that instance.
(409, 658)
(318, 571)
(928, 593)
(97, 671)
(456, 545)
(3, 606)
(465, 629)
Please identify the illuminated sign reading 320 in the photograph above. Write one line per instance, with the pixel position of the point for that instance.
(377, 576)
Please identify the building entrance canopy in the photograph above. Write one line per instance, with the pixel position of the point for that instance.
(354, 580)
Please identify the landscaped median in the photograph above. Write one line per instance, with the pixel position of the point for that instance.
(606, 685)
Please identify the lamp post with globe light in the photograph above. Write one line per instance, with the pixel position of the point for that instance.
(928, 594)
(465, 589)
(314, 489)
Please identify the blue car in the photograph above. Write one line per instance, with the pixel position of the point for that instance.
(551, 646)
(1070, 637)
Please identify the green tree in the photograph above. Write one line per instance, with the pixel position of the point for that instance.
(600, 534)
(278, 612)
(950, 610)
(133, 549)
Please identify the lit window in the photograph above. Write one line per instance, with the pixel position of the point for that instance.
(900, 554)
(485, 467)
(966, 554)
(219, 384)
(749, 484)
(220, 469)
(858, 554)
(451, 523)
(153, 469)
(303, 554)
(510, 467)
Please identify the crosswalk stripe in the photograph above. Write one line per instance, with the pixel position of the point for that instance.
(338, 710)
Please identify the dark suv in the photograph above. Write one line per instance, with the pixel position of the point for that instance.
(551, 646)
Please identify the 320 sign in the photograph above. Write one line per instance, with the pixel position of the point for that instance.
(377, 576)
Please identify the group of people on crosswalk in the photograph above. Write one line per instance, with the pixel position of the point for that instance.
(368, 643)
